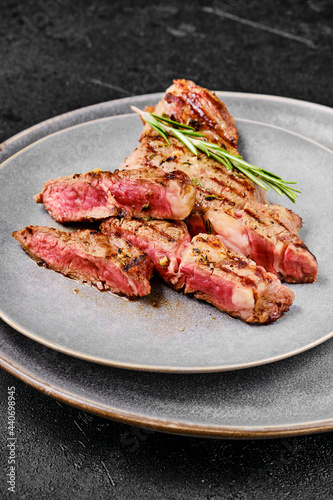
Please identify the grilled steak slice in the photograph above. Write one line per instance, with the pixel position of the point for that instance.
(268, 234)
(190, 104)
(274, 243)
(232, 283)
(109, 263)
(163, 241)
(98, 194)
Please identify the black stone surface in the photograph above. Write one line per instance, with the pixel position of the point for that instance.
(56, 56)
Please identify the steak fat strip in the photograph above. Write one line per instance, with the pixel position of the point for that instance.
(98, 195)
(163, 241)
(108, 263)
(233, 284)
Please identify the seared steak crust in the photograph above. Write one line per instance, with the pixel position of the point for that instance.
(192, 105)
(163, 241)
(232, 283)
(109, 263)
(138, 193)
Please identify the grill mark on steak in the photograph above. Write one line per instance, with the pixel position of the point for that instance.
(133, 262)
(244, 280)
(236, 180)
(253, 215)
(259, 272)
(195, 102)
(161, 232)
(208, 200)
(231, 264)
(264, 222)
(302, 245)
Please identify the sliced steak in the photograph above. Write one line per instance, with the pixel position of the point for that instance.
(163, 241)
(222, 195)
(213, 180)
(109, 263)
(232, 283)
(98, 194)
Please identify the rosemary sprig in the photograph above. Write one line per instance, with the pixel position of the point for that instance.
(194, 142)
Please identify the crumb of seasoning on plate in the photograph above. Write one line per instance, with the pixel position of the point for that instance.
(213, 318)
(76, 290)
(181, 329)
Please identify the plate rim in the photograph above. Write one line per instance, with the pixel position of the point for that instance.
(161, 424)
(156, 368)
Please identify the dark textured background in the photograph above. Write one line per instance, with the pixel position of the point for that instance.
(56, 56)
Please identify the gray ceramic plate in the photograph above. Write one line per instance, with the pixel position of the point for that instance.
(291, 397)
(165, 331)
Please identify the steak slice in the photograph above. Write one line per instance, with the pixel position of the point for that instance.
(163, 241)
(273, 236)
(188, 103)
(212, 179)
(98, 194)
(232, 283)
(109, 263)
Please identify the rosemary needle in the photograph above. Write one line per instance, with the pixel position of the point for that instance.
(195, 141)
